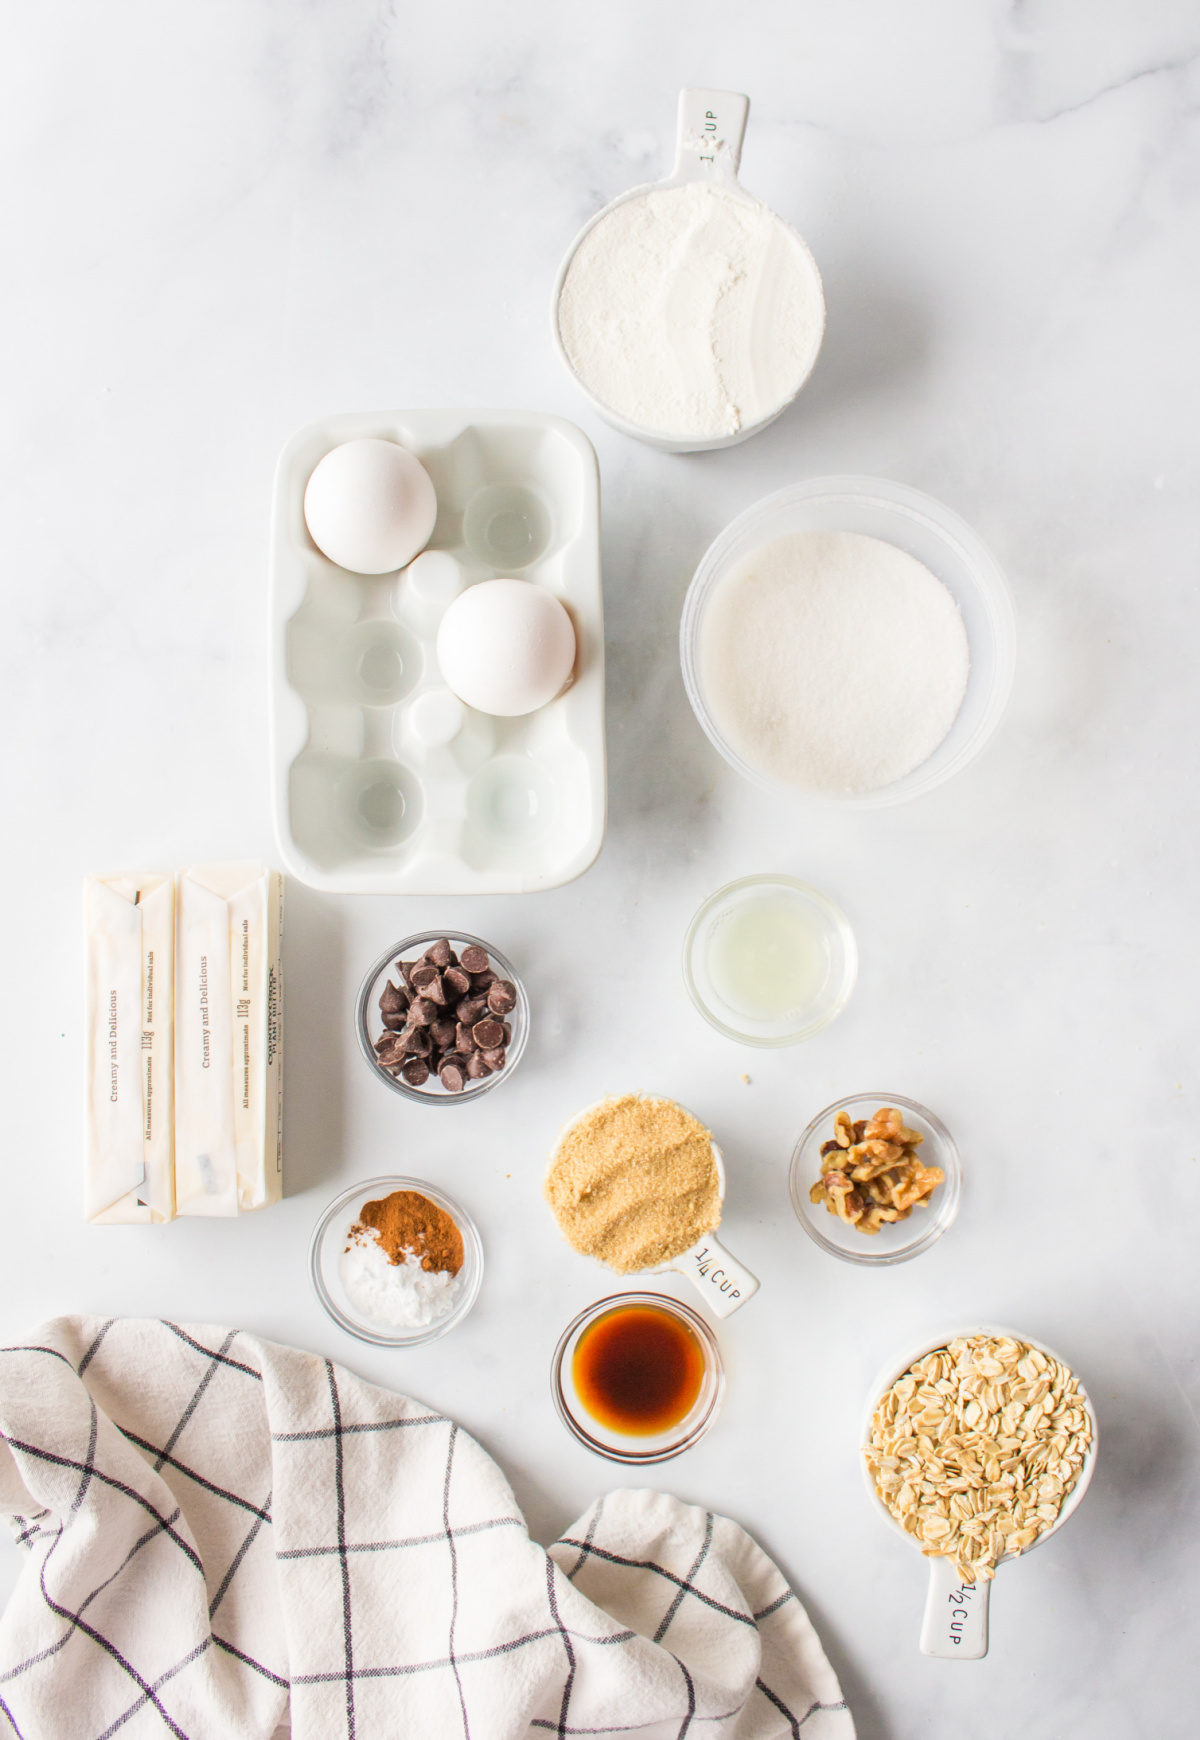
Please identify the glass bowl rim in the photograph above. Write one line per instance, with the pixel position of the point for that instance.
(947, 1211)
(952, 530)
(471, 1241)
(419, 1095)
(841, 924)
(713, 1362)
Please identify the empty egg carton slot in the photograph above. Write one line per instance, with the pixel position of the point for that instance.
(507, 526)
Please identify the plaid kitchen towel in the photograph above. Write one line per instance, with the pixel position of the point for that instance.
(225, 1535)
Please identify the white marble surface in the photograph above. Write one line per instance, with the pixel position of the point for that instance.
(220, 222)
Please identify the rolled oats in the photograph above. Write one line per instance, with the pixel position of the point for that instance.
(1012, 1436)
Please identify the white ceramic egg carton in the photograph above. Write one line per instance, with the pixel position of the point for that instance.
(383, 783)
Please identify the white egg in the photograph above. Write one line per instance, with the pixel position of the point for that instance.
(370, 506)
(506, 647)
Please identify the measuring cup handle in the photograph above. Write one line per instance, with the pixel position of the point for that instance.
(724, 1282)
(708, 138)
(955, 1626)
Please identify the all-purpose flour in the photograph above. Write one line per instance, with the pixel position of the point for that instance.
(692, 311)
(833, 661)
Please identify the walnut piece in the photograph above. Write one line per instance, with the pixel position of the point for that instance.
(870, 1173)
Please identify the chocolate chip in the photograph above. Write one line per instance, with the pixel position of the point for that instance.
(443, 1018)
(452, 1077)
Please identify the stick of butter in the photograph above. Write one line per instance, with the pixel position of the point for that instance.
(228, 1039)
(129, 943)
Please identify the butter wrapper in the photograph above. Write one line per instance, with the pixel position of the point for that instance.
(129, 943)
(228, 1039)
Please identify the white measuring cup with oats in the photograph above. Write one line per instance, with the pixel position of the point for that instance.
(955, 1625)
(616, 1202)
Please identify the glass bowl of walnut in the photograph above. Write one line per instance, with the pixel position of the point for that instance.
(875, 1179)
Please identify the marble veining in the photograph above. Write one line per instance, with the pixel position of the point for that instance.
(223, 223)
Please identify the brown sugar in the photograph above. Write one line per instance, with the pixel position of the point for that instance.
(634, 1183)
(408, 1223)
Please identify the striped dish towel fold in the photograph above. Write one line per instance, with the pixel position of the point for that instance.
(225, 1535)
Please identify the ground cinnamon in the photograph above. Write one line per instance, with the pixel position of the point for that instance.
(407, 1223)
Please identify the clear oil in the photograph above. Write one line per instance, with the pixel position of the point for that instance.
(767, 958)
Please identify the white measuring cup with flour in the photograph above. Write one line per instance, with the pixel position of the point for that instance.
(715, 1272)
(955, 1625)
(687, 311)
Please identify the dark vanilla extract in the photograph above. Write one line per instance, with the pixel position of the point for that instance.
(638, 1369)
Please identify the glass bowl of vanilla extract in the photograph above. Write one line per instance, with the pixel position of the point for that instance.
(638, 1377)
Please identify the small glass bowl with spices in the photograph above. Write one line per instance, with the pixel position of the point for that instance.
(638, 1377)
(442, 1018)
(396, 1262)
(875, 1179)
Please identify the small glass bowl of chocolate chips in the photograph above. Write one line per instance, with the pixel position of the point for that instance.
(442, 1017)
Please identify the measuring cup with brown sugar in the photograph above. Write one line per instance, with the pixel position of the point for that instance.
(638, 1183)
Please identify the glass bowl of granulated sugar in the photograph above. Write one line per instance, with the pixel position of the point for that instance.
(849, 641)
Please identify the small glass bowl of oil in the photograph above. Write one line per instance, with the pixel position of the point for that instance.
(769, 960)
(638, 1377)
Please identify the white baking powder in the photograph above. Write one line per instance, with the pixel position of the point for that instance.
(393, 1295)
(692, 311)
(832, 661)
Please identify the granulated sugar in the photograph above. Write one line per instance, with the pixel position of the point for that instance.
(692, 311)
(832, 661)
